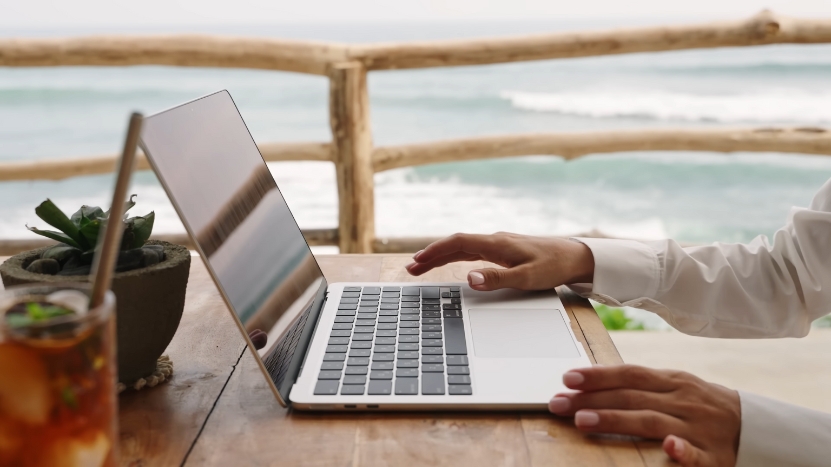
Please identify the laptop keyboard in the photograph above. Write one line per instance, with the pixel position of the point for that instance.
(396, 340)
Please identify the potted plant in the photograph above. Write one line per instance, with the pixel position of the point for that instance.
(149, 284)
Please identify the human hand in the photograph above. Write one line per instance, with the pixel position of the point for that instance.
(259, 338)
(699, 421)
(532, 263)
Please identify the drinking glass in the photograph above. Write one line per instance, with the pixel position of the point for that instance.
(58, 403)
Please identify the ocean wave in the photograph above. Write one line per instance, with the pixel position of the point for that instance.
(773, 107)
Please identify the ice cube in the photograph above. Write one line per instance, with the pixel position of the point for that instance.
(24, 385)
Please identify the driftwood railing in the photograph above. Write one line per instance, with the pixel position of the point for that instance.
(346, 66)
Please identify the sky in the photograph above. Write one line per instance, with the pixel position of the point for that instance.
(50, 14)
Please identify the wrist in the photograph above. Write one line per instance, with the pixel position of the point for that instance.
(583, 265)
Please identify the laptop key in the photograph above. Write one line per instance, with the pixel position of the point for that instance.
(432, 368)
(451, 306)
(445, 295)
(389, 300)
(345, 300)
(361, 345)
(384, 348)
(406, 386)
(431, 321)
(350, 295)
(355, 370)
(372, 290)
(430, 307)
(365, 320)
(455, 289)
(408, 324)
(342, 326)
(406, 346)
(388, 319)
(391, 288)
(362, 329)
(351, 288)
(431, 343)
(452, 313)
(458, 379)
(362, 337)
(386, 333)
(410, 299)
(388, 312)
(431, 314)
(460, 390)
(346, 313)
(334, 357)
(394, 295)
(431, 335)
(432, 384)
(409, 317)
(348, 306)
(431, 327)
(326, 387)
(380, 387)
(454, 336)
(354, 379)
(458, 370)
(329, 374)
(385, 340)
(430, 301)
(332, 366)
(410, 338)
(380, 374)
(406, 364)
(336, 349)
(408, 355)
(410, 291)
(359, 352)
(431, 351)
(408, 332)
(456, 300)
(389, 306)
(383, 326)
(430, 292)
(338, 340)
(344, 319)
(357, 361)
(381, 365)
(409, 311)
(457, 360)
(352, 390)
(432, 359)
(383, 357)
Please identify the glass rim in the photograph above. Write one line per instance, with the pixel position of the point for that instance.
(7, 299)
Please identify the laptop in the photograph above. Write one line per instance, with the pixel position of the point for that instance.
(351, 345)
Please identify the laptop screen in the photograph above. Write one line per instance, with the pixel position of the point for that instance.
(225, 195)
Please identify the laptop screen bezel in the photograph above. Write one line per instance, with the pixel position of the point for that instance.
(281, 393)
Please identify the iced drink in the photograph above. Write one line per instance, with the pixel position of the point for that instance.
(58, 402)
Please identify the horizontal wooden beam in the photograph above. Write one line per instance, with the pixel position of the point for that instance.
(315, 237)
(180, 50)
(573, 145)
(59, 169)
(761, 29)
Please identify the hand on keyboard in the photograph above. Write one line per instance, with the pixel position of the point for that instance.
(531, 263)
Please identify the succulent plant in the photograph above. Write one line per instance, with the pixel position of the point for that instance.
(78, 235)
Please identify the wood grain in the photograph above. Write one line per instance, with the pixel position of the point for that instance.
(249, 428)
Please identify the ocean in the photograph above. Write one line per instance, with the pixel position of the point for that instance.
(53, 113)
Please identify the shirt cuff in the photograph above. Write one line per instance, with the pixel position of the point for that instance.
(623, 269)
(775, 433)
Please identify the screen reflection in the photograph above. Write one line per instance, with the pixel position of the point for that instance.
(227, 198)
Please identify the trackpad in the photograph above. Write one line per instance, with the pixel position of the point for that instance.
(520, 334)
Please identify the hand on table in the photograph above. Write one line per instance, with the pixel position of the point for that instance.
(532, 263)
(699, 421)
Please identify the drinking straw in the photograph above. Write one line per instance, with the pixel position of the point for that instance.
(103, 264)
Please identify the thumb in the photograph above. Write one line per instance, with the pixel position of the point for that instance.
(492, 279)
(681, 451)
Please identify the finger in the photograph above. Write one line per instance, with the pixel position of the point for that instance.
(681, 451)
(492, 278)
(643, 423)
(599, 378)
(618, 399)
(468, 243)
(418, 269)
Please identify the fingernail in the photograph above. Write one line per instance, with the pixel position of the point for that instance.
(559, 405)
(585, 418)
(572, 378)
(476, 278)
(409, 265)
(677, 446)
(415, 256)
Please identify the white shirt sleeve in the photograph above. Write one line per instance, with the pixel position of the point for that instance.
(760, 289)
(782, 435)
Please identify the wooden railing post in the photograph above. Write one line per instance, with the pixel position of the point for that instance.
(352, 142)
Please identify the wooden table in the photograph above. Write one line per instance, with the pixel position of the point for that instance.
(218, 410)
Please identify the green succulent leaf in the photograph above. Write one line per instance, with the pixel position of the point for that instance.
(56, 218)
(86, 215)
(60, 253)
(58, 236)
(142, 228)
(90, 231)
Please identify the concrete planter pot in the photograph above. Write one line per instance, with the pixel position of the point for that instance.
(149, 304)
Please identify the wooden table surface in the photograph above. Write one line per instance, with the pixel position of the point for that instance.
(218, 410)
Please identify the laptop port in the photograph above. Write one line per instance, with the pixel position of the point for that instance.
(372, 406)
(350, 406)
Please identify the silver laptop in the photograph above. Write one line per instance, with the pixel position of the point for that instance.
(346, 346)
